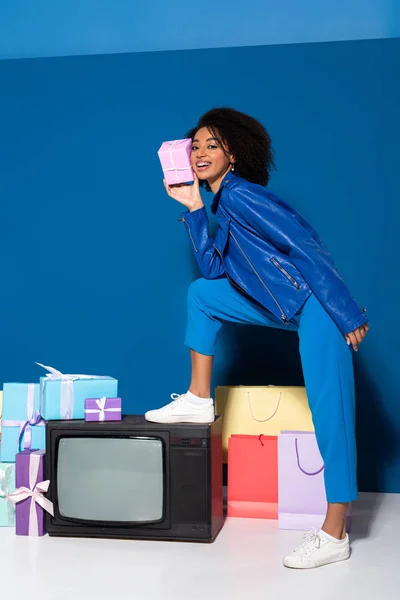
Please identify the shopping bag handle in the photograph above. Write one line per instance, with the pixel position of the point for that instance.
(268, 418)
(299, 465)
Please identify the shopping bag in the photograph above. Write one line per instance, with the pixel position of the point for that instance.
(253, 477)
(302, 500)
(261, 409)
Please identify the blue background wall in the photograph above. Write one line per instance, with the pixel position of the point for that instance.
(65, 27)
(95, 267)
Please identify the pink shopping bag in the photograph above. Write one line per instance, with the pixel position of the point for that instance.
(253, 476)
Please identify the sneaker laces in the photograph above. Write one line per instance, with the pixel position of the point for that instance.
(176, 399)
(312, 541)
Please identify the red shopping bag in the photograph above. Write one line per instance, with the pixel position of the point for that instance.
(253, 476)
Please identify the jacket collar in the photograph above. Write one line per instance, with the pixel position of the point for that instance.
(228, 177)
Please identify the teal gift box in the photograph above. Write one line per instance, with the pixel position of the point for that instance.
(62, 396)
(22, 425)
(7, 486)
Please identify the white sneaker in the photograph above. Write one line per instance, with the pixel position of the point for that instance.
(317, 550)
(182, 411)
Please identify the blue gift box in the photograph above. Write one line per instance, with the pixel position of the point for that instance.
(7, 486)
(22, 425)
(63, 396)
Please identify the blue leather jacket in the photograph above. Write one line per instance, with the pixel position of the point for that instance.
(270, 252)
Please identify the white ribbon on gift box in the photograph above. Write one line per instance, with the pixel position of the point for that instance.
(35, 492)
(67, 389)
(174, 167)
(101, 403)
(5, 482)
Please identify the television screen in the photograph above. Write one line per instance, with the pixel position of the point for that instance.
(111, 479)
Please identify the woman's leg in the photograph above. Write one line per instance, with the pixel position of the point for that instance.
(209, 304)
(200, 384)
(335, 520)
(328, 373)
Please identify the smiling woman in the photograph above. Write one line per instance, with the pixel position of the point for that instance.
(267, 266)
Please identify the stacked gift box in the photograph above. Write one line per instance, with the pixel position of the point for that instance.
(275, 469)
(24, 410)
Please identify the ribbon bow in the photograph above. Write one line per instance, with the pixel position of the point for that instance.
(5, 482)
(25, 429)
(22, 493)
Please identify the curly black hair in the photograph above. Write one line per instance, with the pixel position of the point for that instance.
(245, 138)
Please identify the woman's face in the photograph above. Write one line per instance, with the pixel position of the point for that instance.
(209, 160)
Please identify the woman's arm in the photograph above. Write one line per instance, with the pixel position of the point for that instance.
(207, 257)
(196, 221)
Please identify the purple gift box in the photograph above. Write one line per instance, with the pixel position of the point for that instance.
(29, 498)
(103, 409)
(175, 161)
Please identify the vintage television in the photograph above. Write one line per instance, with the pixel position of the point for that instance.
(135, 479)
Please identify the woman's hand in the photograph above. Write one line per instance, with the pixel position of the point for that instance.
(356, 337)
(188, 195)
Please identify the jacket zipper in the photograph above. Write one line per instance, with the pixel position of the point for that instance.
(190, 233)
(227, 274)
(279, 266)
(283, 316)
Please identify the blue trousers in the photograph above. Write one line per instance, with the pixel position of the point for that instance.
(327, 364)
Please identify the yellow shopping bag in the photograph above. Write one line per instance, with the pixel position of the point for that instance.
(263, 410)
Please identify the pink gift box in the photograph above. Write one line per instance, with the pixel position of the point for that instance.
(175, 161)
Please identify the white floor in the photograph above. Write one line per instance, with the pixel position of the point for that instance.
(244, 561)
